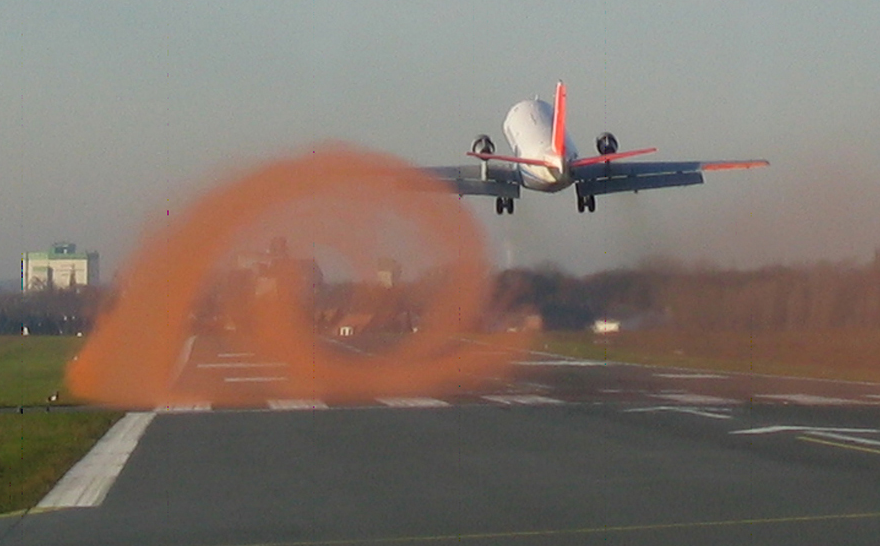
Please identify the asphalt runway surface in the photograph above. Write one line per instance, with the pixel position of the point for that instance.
(564, 451)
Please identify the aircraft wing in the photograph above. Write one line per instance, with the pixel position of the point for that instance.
(501, 180)
(601, 178)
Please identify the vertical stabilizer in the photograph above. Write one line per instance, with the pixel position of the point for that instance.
(559, 121)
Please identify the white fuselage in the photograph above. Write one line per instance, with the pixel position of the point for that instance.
(528, 129)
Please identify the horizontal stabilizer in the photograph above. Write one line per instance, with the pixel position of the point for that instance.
(610, 157)
(637, 183)
(512, 159)
(725, 165)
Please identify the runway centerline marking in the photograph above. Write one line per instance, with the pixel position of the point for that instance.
(243, 365)
(265, 379)
(690, 376)
(702, 412)
(795, 428)
(580, 531)
(413, 402)
(812, 400)
(845, 438)
(522, 399)
(575, 363)
(839, 444)
(696, 399)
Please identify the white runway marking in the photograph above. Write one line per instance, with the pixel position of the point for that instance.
(182, 359)
(788, 428)
(702, 412)
(234, 355)
(87, 483)
(877, 396)
(812, 400)
(413, 402)
(845, 438)
(185, 408)
(298, 405)
(696, 399)
(243, 365)
(690, 376)
(523, 399)
(577, 363)
(266, 379)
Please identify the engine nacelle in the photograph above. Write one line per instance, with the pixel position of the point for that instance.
(483, 145)
(606, 144)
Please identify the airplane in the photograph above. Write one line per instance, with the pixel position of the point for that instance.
(546, 160)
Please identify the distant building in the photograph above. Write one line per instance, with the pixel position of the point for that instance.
(605, 326)
(389, 272)
(62, 268)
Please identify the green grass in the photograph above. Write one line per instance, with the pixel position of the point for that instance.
(32, 368)
(37, 448)
(830, 354)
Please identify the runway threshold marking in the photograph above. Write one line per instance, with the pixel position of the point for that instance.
(298, 405)
(87, 483)
(184, 408)
(580, 531)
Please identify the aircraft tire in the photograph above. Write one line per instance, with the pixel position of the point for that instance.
(591, 203)
(499, 205)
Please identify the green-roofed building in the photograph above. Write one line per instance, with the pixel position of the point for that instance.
(61, 268)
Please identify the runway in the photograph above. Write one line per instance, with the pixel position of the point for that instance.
(562, 452)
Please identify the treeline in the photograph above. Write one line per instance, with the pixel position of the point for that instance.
(50, 312)
(664, 295)
(658, 294)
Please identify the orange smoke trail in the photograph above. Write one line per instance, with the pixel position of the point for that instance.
(137, 353)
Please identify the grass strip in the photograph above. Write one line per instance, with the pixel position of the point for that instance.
(36, 449)
(32, 368)
(850, 355)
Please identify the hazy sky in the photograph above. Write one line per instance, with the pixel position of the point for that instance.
(113, 112)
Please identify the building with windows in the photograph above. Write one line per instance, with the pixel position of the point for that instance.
(61, 268)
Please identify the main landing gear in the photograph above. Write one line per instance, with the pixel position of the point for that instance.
(586, 202)
(504, 204)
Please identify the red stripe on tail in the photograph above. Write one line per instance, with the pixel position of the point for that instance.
(559, 121)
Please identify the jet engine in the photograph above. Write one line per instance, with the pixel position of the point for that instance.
(606, 144)
(483, 145)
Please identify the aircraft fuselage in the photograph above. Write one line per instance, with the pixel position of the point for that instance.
(528, 129)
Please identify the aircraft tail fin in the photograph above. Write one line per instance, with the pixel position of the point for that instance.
(558, 137)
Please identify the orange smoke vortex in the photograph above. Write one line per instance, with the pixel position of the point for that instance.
(140, 353)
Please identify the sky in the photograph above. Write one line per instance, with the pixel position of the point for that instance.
(112, 113)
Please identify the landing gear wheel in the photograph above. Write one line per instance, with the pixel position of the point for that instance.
(503, 204)
(591, 203)
(582, 205)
